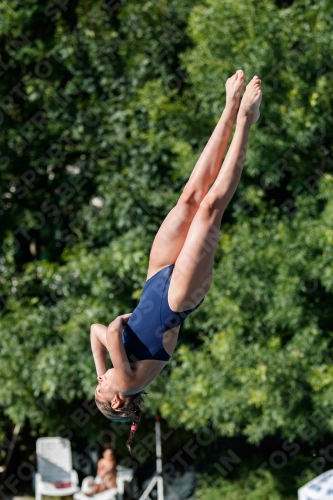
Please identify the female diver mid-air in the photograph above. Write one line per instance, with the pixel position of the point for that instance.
(180, 266)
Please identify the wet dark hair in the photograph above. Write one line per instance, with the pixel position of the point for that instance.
(107, 447)
(130, 411)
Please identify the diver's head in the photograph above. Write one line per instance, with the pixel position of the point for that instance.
(128, 411)
(106, 389)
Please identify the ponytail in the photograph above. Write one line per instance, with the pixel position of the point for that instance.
(134, 427)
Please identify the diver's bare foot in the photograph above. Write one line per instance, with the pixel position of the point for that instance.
(249, 106)
(234, 86)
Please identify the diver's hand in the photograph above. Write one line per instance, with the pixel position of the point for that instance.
(119, 323)
(126, 317)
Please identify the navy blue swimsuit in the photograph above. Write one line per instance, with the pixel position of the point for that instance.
(143, 334)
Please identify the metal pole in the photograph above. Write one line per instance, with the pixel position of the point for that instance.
(158, 478)
(150, 486)
(160, 493)
(10, 450)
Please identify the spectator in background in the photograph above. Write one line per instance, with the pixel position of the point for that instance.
(106, 474)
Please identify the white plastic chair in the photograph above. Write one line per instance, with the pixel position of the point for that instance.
(54, 464)
(320, 488)
(123, 475)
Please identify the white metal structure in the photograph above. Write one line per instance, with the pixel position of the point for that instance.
(158, 478)
(320, 488)
(123, 475)
(54, 465)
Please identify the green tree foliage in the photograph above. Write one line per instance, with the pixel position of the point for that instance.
(266, 350)
(81, 162)
(118, 100)
(251, 487)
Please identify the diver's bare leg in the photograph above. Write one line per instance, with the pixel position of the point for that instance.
(171, 235)
(192, 274)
